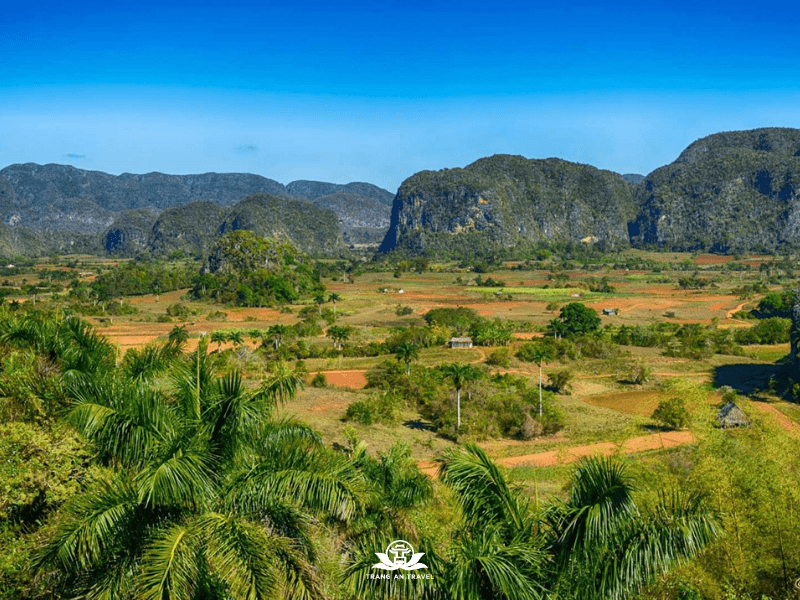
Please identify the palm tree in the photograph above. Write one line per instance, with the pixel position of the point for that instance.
(207, 492)
(218, 337)
(333, 297)
(398, 488)
(599, 544)
(537, 353)
(339, 335)
(277, 333)
(145, 364)
(406, 352)
(601, 525)
(460, 374)
(319, 300)
(178, 335)
(497, 553)
(236, 337)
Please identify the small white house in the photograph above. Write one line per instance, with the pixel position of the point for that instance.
(460, 342)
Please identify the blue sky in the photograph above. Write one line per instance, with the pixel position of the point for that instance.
(375, 91)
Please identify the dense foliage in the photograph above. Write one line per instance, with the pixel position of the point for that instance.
(135, 278)
(247, 270)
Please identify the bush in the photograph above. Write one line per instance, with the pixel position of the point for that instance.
(378, 408)
(561, 381)
(402, 311)
(774, 330)
(178, 310)
(671, 414)
(499, 358)
(639, 374)
(319, 380)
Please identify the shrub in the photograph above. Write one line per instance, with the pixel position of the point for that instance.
(774, 330)
(378, 408)
(178, 310)
(319, 380)
(561, 381)
(671, 413)
(639, 374)
(402, 311)
(499, 358)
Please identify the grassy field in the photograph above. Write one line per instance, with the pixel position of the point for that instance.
(602, 407)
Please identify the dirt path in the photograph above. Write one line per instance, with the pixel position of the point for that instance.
(562, 456)
(781, 419)
(731, 312)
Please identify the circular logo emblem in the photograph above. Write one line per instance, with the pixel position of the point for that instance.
(400, 552)
(400, 555)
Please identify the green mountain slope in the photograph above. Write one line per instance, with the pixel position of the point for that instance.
(734, 191)
(508, 201)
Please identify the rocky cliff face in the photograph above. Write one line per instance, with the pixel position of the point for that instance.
(309, 228)
(63, 198)
(505, 201)
(726, 192)
(132, 213)
(193, 228)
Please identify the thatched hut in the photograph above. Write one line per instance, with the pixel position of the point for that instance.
(731, 415)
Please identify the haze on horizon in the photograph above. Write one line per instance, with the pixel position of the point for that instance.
(366, 91)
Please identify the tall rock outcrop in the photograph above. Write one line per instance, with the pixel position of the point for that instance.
(507, 201)
(733, 191)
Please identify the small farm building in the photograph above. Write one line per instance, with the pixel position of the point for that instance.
(731, 415)
(460, 342)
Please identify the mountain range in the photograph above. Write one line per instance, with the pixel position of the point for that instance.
(728, 192)
(63, 208)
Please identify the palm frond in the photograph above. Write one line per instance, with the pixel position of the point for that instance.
(481, 489)
(282, 384)
(126, 423)
(95, 524)
(287, 431)
(321, 484)
(170, 565)
(646, 548)
(141, 366)
(238, 552)
(184, 478)
(194, 386)
(484, 566)
(600, 501)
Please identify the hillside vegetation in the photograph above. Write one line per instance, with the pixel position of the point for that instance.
(507, 201)
(735, 191)
(729, 192)
(59, 208)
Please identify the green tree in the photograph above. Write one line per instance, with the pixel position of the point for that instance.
(235, 337)
(219, 337)
(598, 544)
(319, 300)
(460, 374)
(671, 413)
(339, 335)
(406, 352)
(276, 333)
(178, 336)
(333, 297)
(203, 498)
(536, 352)
(578, 319)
